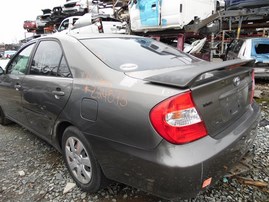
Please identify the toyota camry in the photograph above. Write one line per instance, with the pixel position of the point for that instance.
(133, 110)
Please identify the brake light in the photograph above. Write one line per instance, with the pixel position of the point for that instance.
(253, 87)
(177, 120)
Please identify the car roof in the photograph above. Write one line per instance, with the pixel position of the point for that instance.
(85, 36)
(254, 38)
(94, 36)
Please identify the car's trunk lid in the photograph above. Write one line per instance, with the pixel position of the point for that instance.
(222, 101)
(221, 91)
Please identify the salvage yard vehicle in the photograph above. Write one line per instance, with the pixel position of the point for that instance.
(68, 23)
(251, 48)
(41, 21)
(133, 110)
(76, 6)
(29, 25)
(98, 23)
(239, 4)
(156, 15)
(9, 53)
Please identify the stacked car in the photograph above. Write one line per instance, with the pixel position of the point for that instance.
(239, 4)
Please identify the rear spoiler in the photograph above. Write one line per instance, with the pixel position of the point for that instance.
(186, 77)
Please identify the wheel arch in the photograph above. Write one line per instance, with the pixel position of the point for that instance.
(58, 134)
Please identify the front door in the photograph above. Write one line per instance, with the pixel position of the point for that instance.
(11, 85)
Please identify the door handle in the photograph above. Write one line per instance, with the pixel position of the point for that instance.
(17, 87)
(58, 93)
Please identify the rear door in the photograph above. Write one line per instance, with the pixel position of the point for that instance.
(11, 84)
(46, 88)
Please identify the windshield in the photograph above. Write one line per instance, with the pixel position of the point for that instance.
(136, 54)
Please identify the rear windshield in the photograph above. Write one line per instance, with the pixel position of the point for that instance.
(136, 54)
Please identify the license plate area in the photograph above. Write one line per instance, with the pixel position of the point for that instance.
(234, 102)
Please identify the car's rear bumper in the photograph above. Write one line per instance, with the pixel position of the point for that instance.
(178, 171)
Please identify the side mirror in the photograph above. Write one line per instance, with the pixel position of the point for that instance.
(1, 71)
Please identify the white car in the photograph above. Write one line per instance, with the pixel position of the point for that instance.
(76, 6)
(67, 24)
(156, 15)
(90, 23)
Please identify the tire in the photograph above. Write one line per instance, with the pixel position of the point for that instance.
(82, 164)
(3, 120)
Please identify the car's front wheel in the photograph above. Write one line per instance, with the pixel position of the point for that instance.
(80, 161)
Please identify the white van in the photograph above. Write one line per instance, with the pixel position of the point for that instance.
(156, 15)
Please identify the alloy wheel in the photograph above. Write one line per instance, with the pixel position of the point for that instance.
(78, 160)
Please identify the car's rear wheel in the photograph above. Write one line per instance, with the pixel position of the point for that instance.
(80, 161)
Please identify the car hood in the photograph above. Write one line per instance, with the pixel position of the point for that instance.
(186, 76)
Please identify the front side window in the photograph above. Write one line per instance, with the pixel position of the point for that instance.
(46, 59)
(20, 62)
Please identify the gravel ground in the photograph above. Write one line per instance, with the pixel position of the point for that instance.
(32, 170)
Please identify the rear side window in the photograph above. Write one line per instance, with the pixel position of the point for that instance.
(49, 60)
(136, 54)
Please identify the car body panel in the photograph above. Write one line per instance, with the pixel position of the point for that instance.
(12, 103)
(112, 110)
(177, 166)
(41, 106)
(11, 84)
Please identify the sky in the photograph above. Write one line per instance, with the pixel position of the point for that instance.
(14, 13)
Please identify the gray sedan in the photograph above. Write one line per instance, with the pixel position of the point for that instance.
(133, 110)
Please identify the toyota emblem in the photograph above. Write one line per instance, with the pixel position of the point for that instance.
(237, 81)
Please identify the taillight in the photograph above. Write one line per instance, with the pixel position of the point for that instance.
(177, 120)
(253, 86)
